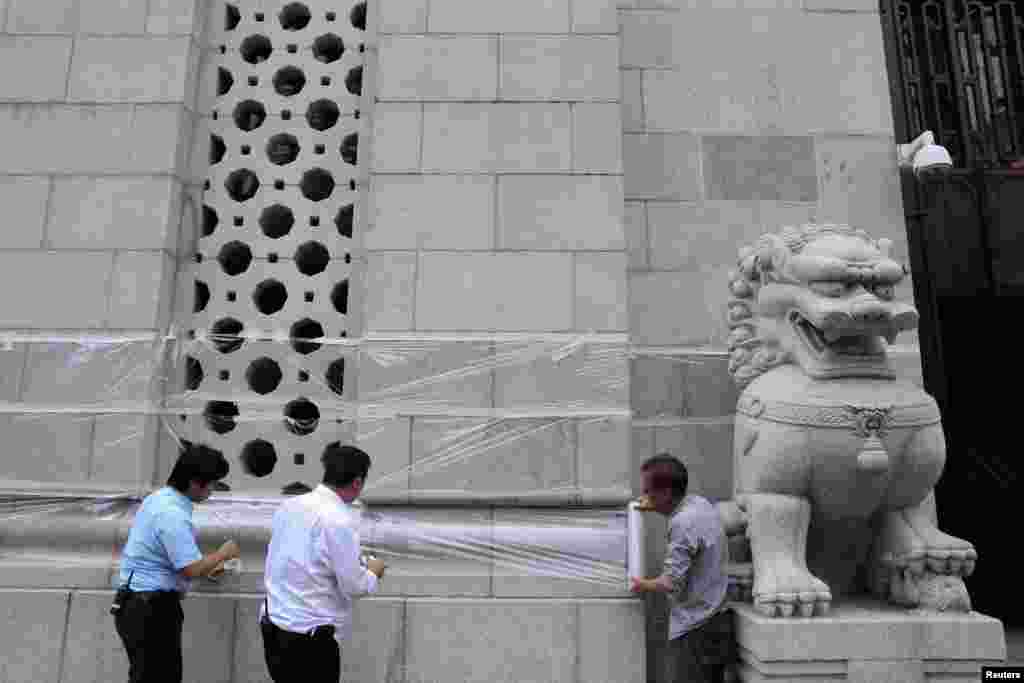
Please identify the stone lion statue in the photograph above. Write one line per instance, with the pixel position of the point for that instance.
(835, 458)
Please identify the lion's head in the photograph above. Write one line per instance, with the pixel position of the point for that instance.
(820, 296)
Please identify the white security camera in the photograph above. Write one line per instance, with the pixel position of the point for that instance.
(924, 156)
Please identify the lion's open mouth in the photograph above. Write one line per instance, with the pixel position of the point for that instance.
(839, 342)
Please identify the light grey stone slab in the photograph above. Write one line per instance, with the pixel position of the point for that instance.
(552, 375)
(612, 641)
(536, 565)
(207, 634)
(26, 16)
(765, 167)
(861, 187)
(176, 17)
(682, 308)
(40, 304)
(604, 453)
(637, 240)
(560, 212)
(12, 367)
(416, 212)
(90, 372)
(689, 236)
(434, 552)
(390, 288)
(677, 385)
(377, 649)
(111, 16)
(596, 137)
(497, 16)
(93, 652)
(601, 292)
(123, 449)
(109, 213)
(49, 56)
(575, 68)
(140, 290)
(458, 291)
(438, 68)
(427, 374)
(661, 166)
(868, 630)
(33, 634)
(47, 448)
(403, 16)
(594, 16)
(26, 199)
(248, 664)
(490, 641)
(706, 449)
(504, 455)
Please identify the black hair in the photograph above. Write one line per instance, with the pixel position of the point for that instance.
(667, 472)
(197, 462)
(342, 464)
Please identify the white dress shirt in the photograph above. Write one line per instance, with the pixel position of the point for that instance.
(313, 571)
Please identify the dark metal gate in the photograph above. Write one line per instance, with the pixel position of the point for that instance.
(956, 67)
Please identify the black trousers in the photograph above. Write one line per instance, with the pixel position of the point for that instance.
(300, 658)
(149, 625)
(704, 655)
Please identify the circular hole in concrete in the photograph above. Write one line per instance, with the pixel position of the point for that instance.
(312, 258)
(249, 115)
(354, 80)
(220, 416)
(304, 330)
(217, 149)
(282, 149)
(276, 221)
(263, 375)
(294, 16)
(225, 335)
(209, 220)
(289, 81)
(224, 81)
(322, 114)
(358, 16)
(328, 48)
(296, 488)
(193, 373)
(301, 417)
(235, 257)
(349, 146)
(316, 184)
(336, 376)
(339, 297)
(202, 296)
(343, 221)
(258, 458)
(270, 296)
(232, 17)
(241, 184)
(256, 49)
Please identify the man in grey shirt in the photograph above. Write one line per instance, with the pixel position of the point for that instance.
(694, 578)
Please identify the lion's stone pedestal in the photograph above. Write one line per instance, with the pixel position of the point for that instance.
(867, 641)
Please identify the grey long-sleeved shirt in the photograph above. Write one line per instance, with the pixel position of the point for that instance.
(695, 558)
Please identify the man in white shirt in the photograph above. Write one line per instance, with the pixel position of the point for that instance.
(313, 573)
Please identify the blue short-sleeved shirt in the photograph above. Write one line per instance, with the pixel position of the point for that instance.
(161, 543)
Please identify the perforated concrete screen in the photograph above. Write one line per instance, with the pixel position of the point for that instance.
(273, 284)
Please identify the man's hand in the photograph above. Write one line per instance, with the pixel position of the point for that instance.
(217, 572)
(638, 585)
(229, 551)
(645, 504)
(376, 566)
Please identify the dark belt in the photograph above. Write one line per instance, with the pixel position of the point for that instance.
(325, 631)
(153, 596)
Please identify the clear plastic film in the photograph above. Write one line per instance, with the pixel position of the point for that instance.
(486, 449)
(77, 541)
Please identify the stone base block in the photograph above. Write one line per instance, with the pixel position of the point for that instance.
(865, 641)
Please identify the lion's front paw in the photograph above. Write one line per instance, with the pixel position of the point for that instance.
(790, 591)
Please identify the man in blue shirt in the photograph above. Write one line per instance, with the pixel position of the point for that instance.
(158, 560)
(694, 578)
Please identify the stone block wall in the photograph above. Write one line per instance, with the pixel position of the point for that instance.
(95, 120)
(739, 117)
